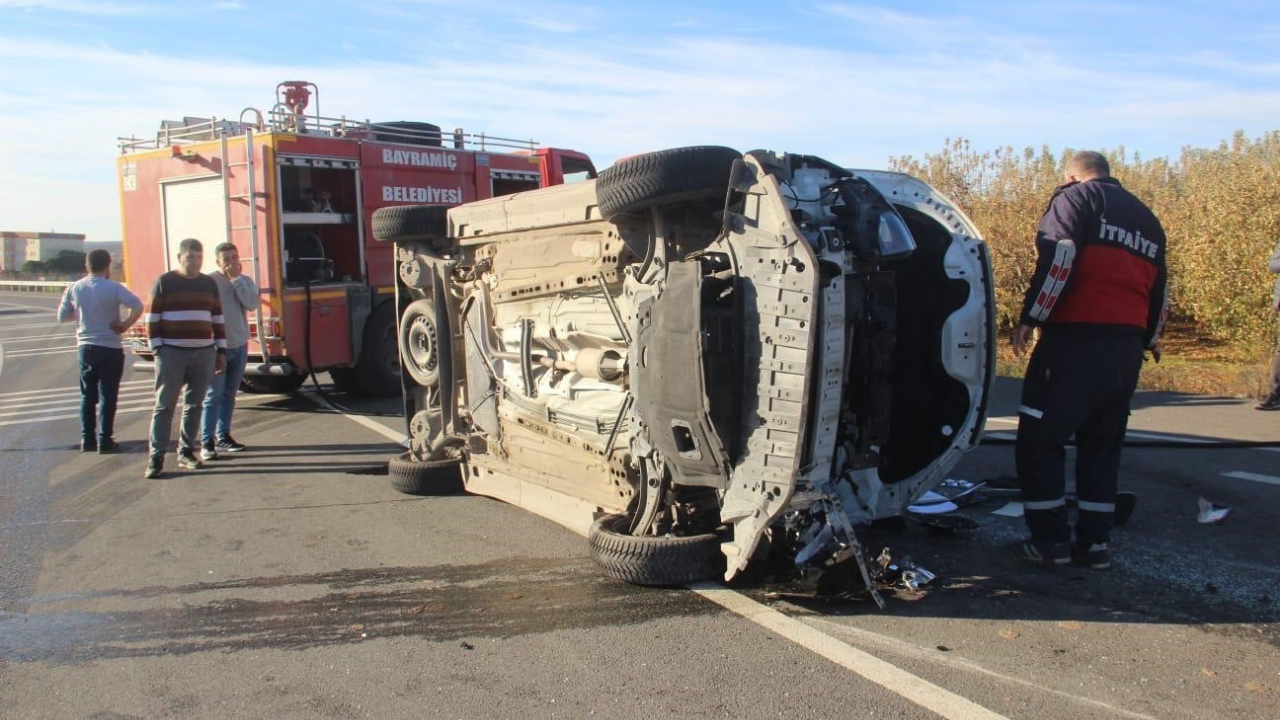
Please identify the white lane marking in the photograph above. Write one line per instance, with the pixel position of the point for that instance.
(918, 690)
(32, 307)
(1255, 477)
(923, 693)
(46, 391)
(73, 416)
(1135, 434)
(927, 655)
(37, 352)
(71, 399)
(35, 338)
(124, 404)
(395, 437)
(46, 325)
(69, 402)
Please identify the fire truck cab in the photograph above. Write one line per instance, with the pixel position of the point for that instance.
(295, 192)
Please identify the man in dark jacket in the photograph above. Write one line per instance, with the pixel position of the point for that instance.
(1272, 400)
(1099, 297)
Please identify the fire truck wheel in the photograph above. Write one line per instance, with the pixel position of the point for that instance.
(412, 223)
(419, 343)
(666, 176)
(344, 379)
(272, 384)
(668, 560)
(378, 369)
(432, 477)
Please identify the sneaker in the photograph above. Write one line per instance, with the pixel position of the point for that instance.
(187, 460)
(228, 444)
(1046, 553)
(88, 446)
(155, 466)
(1095, 556)
(106, 447)
(208, 451)
(1269, 403)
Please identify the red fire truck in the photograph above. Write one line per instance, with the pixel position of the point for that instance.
(296, 191)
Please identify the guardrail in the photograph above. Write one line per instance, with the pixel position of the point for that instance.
(33, 286)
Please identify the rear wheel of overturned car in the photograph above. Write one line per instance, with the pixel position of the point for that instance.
(378, 369)
(643, 181)
(645, 560)
(431, 477)
(267, 384)
(420, 343)
(412, 223)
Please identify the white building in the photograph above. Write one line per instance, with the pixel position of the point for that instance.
(19, 247)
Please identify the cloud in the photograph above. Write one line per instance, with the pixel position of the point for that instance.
(82, 7)
(614, 92)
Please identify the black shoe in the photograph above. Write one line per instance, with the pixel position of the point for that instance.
(228, 444)
(1046, 553)
(187, 460)
(155, 466)
(1096, 556)
(88, 446)
(106, 447)
(208, 451)
(1269, 403)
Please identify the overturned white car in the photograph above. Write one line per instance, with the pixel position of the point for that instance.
(697, 356)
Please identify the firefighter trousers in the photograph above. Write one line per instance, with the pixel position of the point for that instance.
(1080, 380)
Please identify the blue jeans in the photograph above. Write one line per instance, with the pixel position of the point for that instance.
(220, 400)
(100, 371)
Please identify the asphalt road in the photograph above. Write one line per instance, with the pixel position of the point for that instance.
(290, 581)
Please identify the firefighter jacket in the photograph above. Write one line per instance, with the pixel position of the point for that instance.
(1100, 260)
(1274, 266)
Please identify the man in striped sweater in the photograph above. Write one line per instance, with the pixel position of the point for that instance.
(188, 334)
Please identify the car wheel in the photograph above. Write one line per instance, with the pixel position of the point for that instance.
(419, 342)
(432, 477)
(378, 369)
(645, 560)
(412, 223)
(267, 384)
(666, 176)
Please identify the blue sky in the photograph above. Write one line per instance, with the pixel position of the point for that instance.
(856, 82)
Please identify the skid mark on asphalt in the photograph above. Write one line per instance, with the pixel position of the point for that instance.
(505, 598)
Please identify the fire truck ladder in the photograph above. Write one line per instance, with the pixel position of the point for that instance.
(250, 196)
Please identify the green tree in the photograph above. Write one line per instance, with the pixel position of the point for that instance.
(69, 262)
(34, 267)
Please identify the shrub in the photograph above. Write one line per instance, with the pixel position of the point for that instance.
(1219, 208)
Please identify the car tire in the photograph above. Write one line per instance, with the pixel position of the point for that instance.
(412, 223)
(667, 560)
(431, 477)
(420, 342)
(643, 181)
(377, 371)
(272, 384)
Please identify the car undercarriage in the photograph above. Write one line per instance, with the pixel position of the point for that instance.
(698, 358)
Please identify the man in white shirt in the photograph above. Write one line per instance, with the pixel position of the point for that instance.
(239, 295)
(94, 302)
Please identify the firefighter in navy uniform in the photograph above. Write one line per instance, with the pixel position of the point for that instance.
(1099, 297)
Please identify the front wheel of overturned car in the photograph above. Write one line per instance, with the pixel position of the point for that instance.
(645, 560)
(431, 477)
(643, 181)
